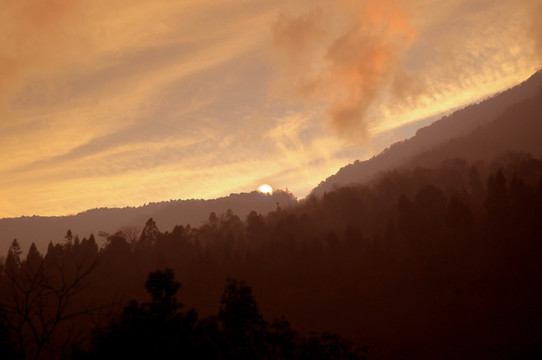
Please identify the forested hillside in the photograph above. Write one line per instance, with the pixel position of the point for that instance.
(518, 112)
(436, 262)
(43, 229)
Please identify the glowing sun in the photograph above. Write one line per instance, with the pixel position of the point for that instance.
(265, 189)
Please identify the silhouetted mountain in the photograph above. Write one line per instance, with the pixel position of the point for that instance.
(517, 129)
(438, 258)
(425, 263)
(42, 229)
(506, 136)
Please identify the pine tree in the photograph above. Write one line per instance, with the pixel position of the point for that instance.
(33, 258)
(13, 260)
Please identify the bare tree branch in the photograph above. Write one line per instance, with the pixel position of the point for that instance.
(40, 299)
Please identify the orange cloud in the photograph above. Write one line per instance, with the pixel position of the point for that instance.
(343, 53)
(366, 63)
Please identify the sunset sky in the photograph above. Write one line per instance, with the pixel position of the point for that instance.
(123, 102)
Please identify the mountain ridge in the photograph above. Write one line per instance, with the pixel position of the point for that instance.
(460, 123)
(464, 129)
(167, 214)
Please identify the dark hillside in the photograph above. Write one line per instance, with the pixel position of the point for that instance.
(518, 129)
(456, 125)
(426, 263)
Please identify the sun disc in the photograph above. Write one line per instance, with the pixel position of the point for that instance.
(265, 189)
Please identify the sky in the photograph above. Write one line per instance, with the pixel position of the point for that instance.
(120, 103)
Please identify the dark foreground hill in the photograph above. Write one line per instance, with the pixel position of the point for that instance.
(429, 263)
(505, 136)
(42, 230)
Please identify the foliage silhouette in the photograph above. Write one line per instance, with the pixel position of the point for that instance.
(159, 329)
(41, 295)
(424, 263)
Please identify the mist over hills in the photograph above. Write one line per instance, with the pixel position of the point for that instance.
(42, 229)
(509, 121)
(517, 130)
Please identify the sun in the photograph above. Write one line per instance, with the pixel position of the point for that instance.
(265, 189)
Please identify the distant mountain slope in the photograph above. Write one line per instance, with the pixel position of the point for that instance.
(41, 230)
(518, 129)
(458, 124)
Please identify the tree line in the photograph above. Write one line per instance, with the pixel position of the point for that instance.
(424, 263)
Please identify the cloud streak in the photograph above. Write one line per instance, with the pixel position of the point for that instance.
(119, 103)
(367, 61)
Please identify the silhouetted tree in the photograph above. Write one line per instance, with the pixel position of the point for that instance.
(162, 287)
(13, 260)
(433, 274)
(497, 201)
(68, 237)
(39, 297)
(158, 329)
(33, 258)
(255, 226)
(150, 233)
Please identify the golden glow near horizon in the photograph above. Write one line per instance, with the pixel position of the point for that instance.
(124, 104)
(265, 189)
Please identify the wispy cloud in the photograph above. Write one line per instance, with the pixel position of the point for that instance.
(119, 103)
(375, 63)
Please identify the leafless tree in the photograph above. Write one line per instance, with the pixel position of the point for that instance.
(40, 297)
(131, 233)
